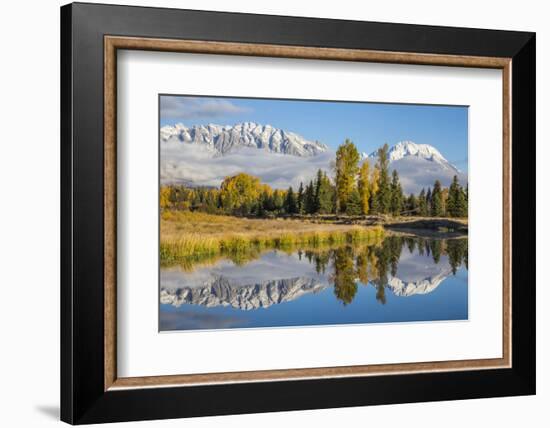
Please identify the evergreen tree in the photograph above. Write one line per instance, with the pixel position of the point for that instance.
(278, 200)
(465, 192)
(373, 200)
(260, 206)
(324, 194)
(384, 195)
(396, 202)
(437, 200)
(461, 203)
(422, 203)
(353, 205)
(429, 201)
(444, 197)
(456, 204)
(309, 199)
(452, 198)
(412, 205)
(290, 202)
(300, 199)
(346, 168)
(267, 201)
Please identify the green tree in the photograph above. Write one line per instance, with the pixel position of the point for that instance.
(354, 205)
(396, 202)
(422, 203)
(437, 200)
(384, 194)
(456, 203)
(300, 199)
(344, 277)
(278, 200)
(436, 248)
(324, 194)
(267, 201)
(309, 199)
(412, 205)
(290, 206)
(457, 252)
(346, 169)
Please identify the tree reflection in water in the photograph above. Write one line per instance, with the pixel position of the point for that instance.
(373, 264)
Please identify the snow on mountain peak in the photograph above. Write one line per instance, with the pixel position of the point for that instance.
(221, 140)
(405, 149)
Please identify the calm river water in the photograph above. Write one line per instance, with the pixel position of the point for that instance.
(400, 279)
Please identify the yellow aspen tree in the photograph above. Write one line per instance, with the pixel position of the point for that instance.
(364, 186)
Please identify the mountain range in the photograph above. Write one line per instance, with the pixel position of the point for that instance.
(221, 140)
(203, 155)
(218, 290)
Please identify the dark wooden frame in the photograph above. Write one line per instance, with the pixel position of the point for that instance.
(89, 36)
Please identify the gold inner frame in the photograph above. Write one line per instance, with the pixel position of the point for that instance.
(113, 43)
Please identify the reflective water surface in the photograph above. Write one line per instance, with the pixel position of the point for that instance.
(396, 280)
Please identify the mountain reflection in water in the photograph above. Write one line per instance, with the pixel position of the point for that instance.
(399, 279)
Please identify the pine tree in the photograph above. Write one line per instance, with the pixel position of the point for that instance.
(267, 201)
(324, 194)
(317, 186)
(453, 197)
(437, 200)
(465, 191)
(346, 168)
(429, 201)
(278, 200)
(300, 199)
(412, 204)
(457, 205)
(290, 202)
(461, 203)
(396, 202)
(384, 191)
(353, 204)
(260, 206)
(422, 203)
(309, 199)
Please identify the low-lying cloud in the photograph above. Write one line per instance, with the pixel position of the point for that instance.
(183, 163)
(193, 164)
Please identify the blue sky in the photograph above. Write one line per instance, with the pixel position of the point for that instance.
(368, 125)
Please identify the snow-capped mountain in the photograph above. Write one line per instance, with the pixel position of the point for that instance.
(279, 278)
(419, 165)
(222, 291)
(221, 140)
(405, 288)
(405, 149)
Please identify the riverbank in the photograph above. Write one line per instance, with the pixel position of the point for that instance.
(393, 222)
(192, 235)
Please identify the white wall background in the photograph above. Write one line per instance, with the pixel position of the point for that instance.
(29, 214)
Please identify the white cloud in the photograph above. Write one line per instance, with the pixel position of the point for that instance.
(181, 162)
(176, 107)
(416, 173)
(184, 163)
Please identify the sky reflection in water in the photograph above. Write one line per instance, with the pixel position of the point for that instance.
(400, 280)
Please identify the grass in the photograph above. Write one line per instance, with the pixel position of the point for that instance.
(188, 236)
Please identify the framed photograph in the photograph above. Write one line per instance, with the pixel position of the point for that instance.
(266, 213)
